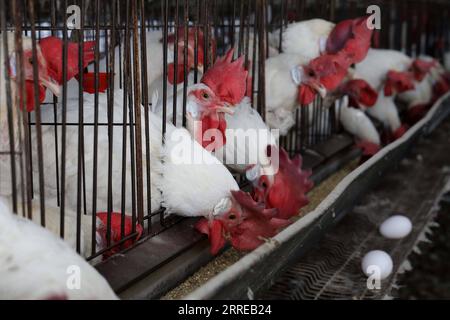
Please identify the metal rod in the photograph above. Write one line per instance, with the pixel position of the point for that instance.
(10, 110)
(137, 108)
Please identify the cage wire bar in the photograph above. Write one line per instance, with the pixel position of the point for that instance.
(120, 31)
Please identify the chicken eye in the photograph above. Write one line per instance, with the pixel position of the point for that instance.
(30, 60)
(264, 185)
(205, 95)
(232, 216)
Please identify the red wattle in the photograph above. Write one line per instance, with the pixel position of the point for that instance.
(171, 73)
(29, 89)
(306, 95)
(216, 236)
(89, 82)
(116, 227)
(212, 122)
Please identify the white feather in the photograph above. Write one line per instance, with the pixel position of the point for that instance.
(35, 264)
(385, 111)
(247, 137)
(194, 180)
(378, 63)
(357, 123)
(281, 91)
(306, 37)
(71, 159)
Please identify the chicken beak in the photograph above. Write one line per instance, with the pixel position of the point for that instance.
(225, 108)
(51, 85)
(319, 88)
(253, 173)
(200, 68)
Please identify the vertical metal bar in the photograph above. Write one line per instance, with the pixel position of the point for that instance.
(262, 70)
(64, 128)
(30, 163)
(55, 113)
(128, 101)
(206, 44)
(16, 13)
(175, 62)
(253, 71)
(297, 131)
(283, 12)
(95, 142)
(37, 112)
(110, 105)
(185, 54)
(21, 124)
(241, 28)
(145, 104)
(332, 9)
(304, 126)
(137, 108)
(196, 26)
(165, 35)
(232, 32)
(80, 162)
(9, 106)
(126, 90)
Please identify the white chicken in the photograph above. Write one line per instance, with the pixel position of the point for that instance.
(195, 183)
(102, 175)
(36, 264)
(430, 82)
(387, 71)
(302, 42)
(282, 89)
(356, 122)
(45, 81)
(247, 138)
(307, 38)
(316, 56)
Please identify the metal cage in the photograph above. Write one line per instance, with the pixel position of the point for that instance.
(66, 127)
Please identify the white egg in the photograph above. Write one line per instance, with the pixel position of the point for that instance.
(396, 227)
(377, 263)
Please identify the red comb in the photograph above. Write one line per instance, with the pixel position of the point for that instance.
(360, 93)
(260, 223)
(328, 69)
(252, 207)
(191, 35)
(116, 227)
(227, 79)
(352, 38)
(398, 82)
(290, 184)
(52, 50)
(420, 68)
(89, 82)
